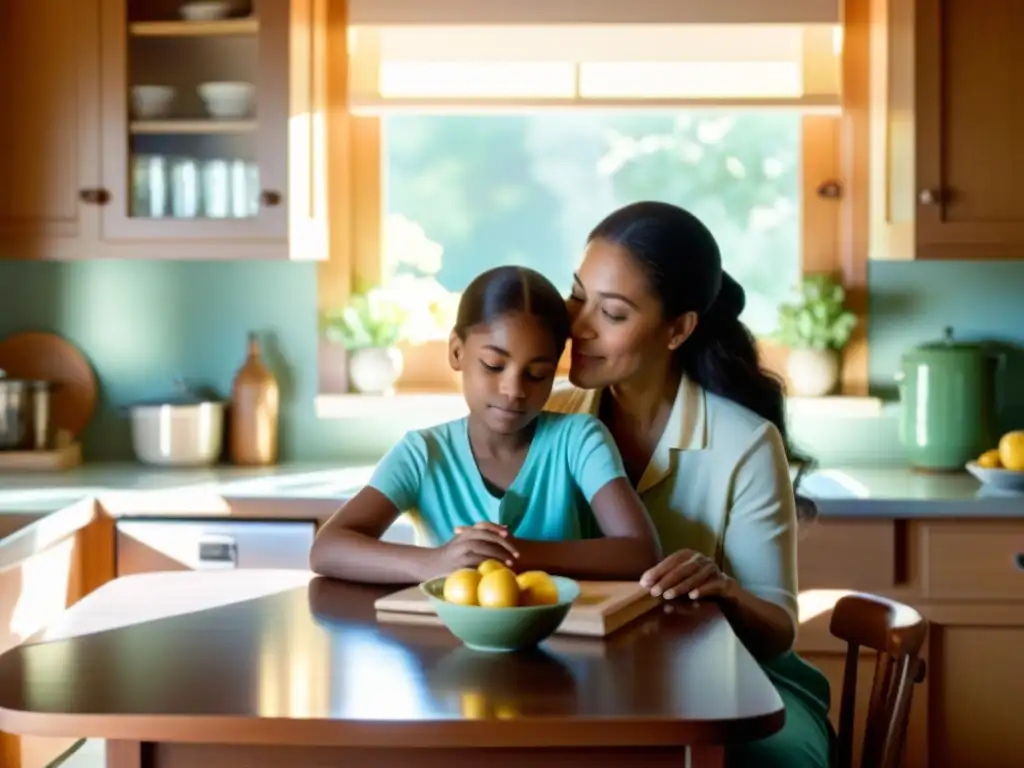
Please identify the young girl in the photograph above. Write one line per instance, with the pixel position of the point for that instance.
(508, 481)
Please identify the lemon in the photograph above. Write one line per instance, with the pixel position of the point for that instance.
(990, 459)
(490, 565)
(506, 712)
(1011, 450)
(536, 588)
(461, 586)
(498, 589)
(474, 705)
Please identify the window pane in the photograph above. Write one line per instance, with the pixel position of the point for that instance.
(468, 192)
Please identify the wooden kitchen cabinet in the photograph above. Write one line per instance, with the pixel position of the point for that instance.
(48, 562)
(49, 135)
(947, 113)
(969, 110)
(966, 576)
(87, 175)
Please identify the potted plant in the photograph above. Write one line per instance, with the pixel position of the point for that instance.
(815, 328)
(369, 327)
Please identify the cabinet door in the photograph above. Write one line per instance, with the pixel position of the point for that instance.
(144, 546)
(969, 115)
(976, 719)
(184, 181)
(49, 137)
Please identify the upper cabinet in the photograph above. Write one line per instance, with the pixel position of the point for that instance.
(154, 130)
(49, 134)
(948, 116)
(970, 122)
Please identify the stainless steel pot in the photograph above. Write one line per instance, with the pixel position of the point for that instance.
(186, 430)
(25, 417)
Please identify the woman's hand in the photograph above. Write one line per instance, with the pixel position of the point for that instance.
(687, 573)
(470, 547)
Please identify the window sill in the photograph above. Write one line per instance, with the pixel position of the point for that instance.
(396, 406)
(836, 406)
(451, 405)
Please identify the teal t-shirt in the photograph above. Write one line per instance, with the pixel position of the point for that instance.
(432, 474)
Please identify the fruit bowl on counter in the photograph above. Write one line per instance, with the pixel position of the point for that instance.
(1002, 467)
(491, 608)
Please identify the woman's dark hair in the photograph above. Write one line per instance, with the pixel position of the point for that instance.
(684, 268)
(506, 290)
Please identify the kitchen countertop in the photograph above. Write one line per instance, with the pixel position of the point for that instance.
(839, 491)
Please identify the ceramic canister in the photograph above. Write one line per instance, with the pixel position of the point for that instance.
(947, 393)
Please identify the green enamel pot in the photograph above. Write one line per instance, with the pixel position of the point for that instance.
(947, 393)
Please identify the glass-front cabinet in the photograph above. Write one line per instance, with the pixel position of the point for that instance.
(165, 129)
(201, 124)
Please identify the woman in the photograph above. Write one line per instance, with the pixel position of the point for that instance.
(660, 356)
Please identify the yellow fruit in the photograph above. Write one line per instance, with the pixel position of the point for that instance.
(498, 589)
(990, 459)
(1011, 450)
(506, 712)
(461, 586)
(536, 588)
(490, 565)
(474, 706)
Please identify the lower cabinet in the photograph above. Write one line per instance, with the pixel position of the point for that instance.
(966, 578)
(144, 545)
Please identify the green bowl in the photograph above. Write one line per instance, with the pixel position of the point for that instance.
(502, 629)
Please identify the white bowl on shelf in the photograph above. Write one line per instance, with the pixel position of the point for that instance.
(206, 11)
(151, 101)
(1003, 479)
(227, 100)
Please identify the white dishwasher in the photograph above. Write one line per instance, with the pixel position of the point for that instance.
(145, 545)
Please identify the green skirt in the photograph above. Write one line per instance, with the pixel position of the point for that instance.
(807, 737)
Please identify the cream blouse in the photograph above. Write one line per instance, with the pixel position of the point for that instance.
(718, 483)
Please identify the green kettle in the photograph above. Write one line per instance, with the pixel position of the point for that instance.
(947, 393)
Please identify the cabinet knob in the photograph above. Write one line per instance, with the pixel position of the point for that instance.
(270, 198)
(930, 197)
(95, 196)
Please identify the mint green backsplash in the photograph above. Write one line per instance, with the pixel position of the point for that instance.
(912, 302)
(142, 324)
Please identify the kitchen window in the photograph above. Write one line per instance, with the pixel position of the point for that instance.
(475, 145)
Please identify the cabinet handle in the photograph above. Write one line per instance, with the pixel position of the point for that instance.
(218, 552)
(930, 197)
(1019, 561)
(270, 198)
(94, 196)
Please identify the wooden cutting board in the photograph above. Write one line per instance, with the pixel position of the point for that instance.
(602, 607)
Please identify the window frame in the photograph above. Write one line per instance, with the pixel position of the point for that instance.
(834, 239)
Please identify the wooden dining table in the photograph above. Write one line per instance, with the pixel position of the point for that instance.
(280, 668)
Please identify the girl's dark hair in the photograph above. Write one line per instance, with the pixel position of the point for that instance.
(505, 290)
(684, 268)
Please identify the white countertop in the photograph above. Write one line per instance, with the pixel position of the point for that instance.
(900, 492)
(33, 492)
(840, 491)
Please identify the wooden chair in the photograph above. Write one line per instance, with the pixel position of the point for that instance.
(896, 632)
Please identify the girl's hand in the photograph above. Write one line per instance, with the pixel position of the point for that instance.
(470, 547)
(687, 573)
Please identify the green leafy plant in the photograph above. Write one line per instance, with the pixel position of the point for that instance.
(819, 318)
(371, 320)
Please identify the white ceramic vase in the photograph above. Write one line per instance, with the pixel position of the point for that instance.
(375, 371)
(812, 372)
